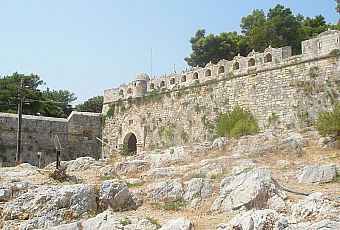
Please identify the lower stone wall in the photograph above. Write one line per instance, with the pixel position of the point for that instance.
(38, 134)
(286, 96)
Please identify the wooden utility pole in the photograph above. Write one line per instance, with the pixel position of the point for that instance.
(18, 160)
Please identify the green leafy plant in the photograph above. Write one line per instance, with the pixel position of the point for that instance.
(198, 175)
(313, 72)
(154, 222)
(130, 100)
(184, 136)
(335, 52)
(125, 222)
(168, 131)
(207, 124)
(124, 151)
(305, 118)
(197, 108)
(107, 177)
(328, 122)
(137, 184)
(110, 112)
(237, 123)
(171, 205)
(91, 214)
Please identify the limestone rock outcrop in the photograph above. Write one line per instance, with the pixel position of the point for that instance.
(181, 223)
(251, 190)
(165, 190)
(317, 173)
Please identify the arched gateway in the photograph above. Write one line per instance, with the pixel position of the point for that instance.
(130, 141)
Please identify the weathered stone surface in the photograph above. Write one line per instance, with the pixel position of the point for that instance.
(197, 190)
(108, 220)
(47, 206)
(243, 166)
(81, 163)
(316, 206)
(178, 224)
(170, 189)
(133, 166)
(219, 143)
(325, 225)
(317, 173)
(23, 171)
(255, 144)
(71, 226)
(134, 181)
(276, 203)
(38, 133)
(5, 193)
(155, 173)
(200, 149)
(115, 194)
(252, 220)
(210, 169)
(327, 142)
(293, 143)
(169, 156)
(106, 171)
(79, 198)
(251, 190)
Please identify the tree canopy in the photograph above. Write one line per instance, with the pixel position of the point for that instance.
(215, 47)
(93, 105)
(55, 103)
(278, 28)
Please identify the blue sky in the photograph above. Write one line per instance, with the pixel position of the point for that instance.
(87, 46)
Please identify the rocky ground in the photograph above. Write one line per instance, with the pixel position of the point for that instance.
(287, 181)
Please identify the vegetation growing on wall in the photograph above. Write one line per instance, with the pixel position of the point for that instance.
(168, 132)
(237, 123)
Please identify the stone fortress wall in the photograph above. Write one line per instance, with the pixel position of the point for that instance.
(182, 107)
(77, 135)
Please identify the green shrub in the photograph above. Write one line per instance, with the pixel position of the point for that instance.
(329, 122)
(174, 205)
(110, 112)
(154, 222)
(170, 205)
(335, 52)
(198, 175)
(237, 123)
(124, 151)
(168, 131)
(126, 222)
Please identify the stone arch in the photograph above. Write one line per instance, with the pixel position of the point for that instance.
(129, 91)
(130, 140)
(184, 78)
(221, 69)
(162, 84)
(121, 92)
(251, 62)
(208, 73)
(152, 85)
(195, 75)
(172, 81)
(236, 65)
(268, 58)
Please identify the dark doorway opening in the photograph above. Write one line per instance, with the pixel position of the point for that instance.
(131, 143)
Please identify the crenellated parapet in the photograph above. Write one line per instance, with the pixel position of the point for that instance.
(254, 62)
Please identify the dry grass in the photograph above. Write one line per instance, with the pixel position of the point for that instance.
(201, 216)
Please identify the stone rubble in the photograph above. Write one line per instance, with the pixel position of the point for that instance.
(317, 173)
